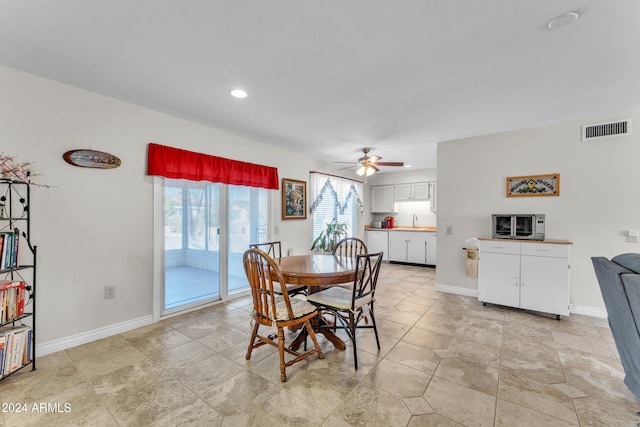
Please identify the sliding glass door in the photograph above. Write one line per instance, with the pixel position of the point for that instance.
(208, 226)
(192, 252)
(248, 212)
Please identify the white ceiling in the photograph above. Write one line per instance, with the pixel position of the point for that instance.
(328, 77)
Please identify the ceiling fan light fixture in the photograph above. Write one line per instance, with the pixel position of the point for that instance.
(367, 170)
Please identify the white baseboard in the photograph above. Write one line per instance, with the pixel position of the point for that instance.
(457, 290)
(89, 336)
(577, 309)
(589, 311)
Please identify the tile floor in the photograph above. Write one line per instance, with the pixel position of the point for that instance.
(445, 360)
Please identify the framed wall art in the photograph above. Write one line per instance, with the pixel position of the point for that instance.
(91, 159)
(294, 199)
(533, 185)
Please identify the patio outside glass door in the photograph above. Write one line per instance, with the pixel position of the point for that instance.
(192, 243)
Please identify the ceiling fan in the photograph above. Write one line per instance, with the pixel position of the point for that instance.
(368, 165)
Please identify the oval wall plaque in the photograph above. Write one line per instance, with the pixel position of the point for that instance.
(91, 159)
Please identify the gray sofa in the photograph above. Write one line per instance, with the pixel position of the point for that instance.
(619, 280)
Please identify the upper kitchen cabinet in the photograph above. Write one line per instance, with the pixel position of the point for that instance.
(433, 194)
(412, 191)
(382, 199)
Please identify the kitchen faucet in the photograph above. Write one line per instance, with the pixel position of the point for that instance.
(414, 219)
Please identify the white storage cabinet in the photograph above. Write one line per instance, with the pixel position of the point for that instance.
(433, 196)
(416, 247)
(532, 276)
(412, 191)
(378, 241)
(382, 199)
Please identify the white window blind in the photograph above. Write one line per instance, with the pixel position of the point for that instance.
(334, 197)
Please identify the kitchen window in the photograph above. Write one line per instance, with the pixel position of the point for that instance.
(335, 197)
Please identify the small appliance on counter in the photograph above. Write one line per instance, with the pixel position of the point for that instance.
(388, 222)
(376, 224)
(518, 226)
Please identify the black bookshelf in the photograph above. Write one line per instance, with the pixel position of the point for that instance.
(17, 275)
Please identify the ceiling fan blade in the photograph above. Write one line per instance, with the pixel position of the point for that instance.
(374, 159)
(390, 163)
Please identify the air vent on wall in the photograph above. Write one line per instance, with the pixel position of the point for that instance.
(606, 130)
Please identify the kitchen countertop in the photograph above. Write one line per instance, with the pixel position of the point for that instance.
(403, 228)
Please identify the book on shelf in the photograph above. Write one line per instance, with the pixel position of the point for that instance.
(16, 240)
(27, 349)
(15, 342)
(9, 241)
(2, 344)
(2, 239)
(13, 296)
(16, 351)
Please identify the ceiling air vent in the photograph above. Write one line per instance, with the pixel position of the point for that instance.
(606, 130)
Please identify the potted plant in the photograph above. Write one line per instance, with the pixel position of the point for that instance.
(331, 235)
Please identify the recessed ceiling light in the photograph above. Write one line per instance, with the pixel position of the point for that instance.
(563, 20)
(407, 166)
(238, 93)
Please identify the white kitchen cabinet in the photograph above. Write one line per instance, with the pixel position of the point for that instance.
(378, 241)
(431, 248)
(528, 275)
(415, 247)
(433, 196)
(412, 191)
(382, 199)
(397, 246)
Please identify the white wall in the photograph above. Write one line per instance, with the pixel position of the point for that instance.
(597, 203)
(94, 227)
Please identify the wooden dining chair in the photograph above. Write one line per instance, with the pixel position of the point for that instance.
(350, 247)
(351, 306)
(274, 250)
(275, 310)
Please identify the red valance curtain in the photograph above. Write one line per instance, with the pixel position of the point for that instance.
(182, 164)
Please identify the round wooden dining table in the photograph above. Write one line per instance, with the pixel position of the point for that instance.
(317, 271)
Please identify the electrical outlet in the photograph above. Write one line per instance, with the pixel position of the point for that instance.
(276, 229)
(109, 291)
(449, 230)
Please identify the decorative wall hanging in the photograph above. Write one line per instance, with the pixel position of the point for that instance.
(294, 199)
(533, 185)
(91, 159)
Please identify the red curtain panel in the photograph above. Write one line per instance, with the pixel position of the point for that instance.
(176, 163)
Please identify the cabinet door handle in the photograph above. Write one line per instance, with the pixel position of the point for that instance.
(522, 282)
(516, 281)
